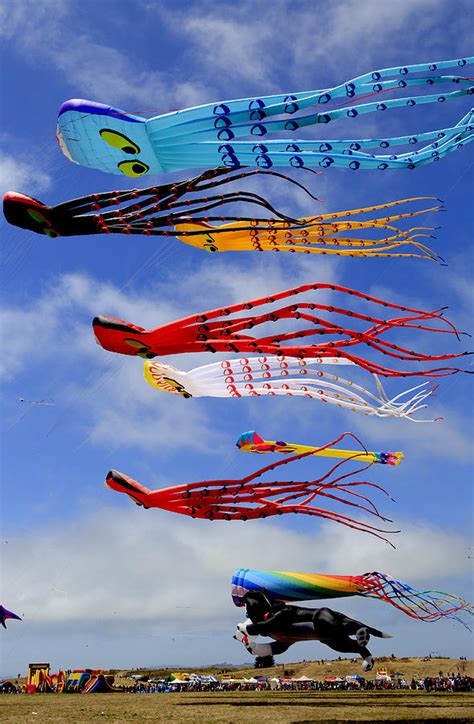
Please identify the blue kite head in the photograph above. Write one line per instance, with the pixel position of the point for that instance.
(99, 136)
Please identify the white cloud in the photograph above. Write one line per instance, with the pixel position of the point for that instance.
(242, 41)
(312, 38)
(93, 69)
(122, 412)
(155, 563)
(16, 173)
(163, 301)
(119, 408)
(449, 437)
(80, 297)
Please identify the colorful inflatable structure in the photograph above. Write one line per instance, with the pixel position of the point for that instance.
(77, 680)
(100, 683)
(85, 681)
(40, 680)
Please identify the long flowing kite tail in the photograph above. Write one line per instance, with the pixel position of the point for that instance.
(249, 498)
(199, 333)
(430, 605)
(290, 586)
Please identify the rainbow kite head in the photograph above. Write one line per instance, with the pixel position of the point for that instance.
(103, 137)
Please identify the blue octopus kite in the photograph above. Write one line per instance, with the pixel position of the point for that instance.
(106, 138)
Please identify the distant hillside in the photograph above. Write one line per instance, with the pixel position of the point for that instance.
(409, 667)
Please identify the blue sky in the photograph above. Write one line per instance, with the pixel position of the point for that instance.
(98, 581)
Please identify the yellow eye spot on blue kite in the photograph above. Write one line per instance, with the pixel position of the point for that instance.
(118, 140)
(133, 168)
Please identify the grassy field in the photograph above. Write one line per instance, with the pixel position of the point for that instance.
(233, 707)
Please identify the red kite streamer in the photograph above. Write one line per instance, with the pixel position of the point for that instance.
(200, 333)
(249, 498)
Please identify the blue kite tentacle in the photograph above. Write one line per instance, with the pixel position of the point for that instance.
(240, 132)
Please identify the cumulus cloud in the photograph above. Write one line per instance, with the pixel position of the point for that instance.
(242, 40)
(54, 330)
(448, 437)
(19, 174)
(92, 68)
(247, 36)
(155, 564)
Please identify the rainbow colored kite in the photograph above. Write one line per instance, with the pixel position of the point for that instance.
(428, 605)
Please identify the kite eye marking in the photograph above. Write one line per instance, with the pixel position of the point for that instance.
(135, 343)
(44, 223)
(133, 168)
(208, 246)
(171, 385)
(37, 216)
(143, 350)
(118, 140)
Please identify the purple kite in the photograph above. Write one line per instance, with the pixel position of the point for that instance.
(5, 613)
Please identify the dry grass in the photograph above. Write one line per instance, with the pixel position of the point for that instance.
(237, 707)
(409, 667)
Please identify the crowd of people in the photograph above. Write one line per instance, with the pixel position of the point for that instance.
(447, 683)
(443, 682)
